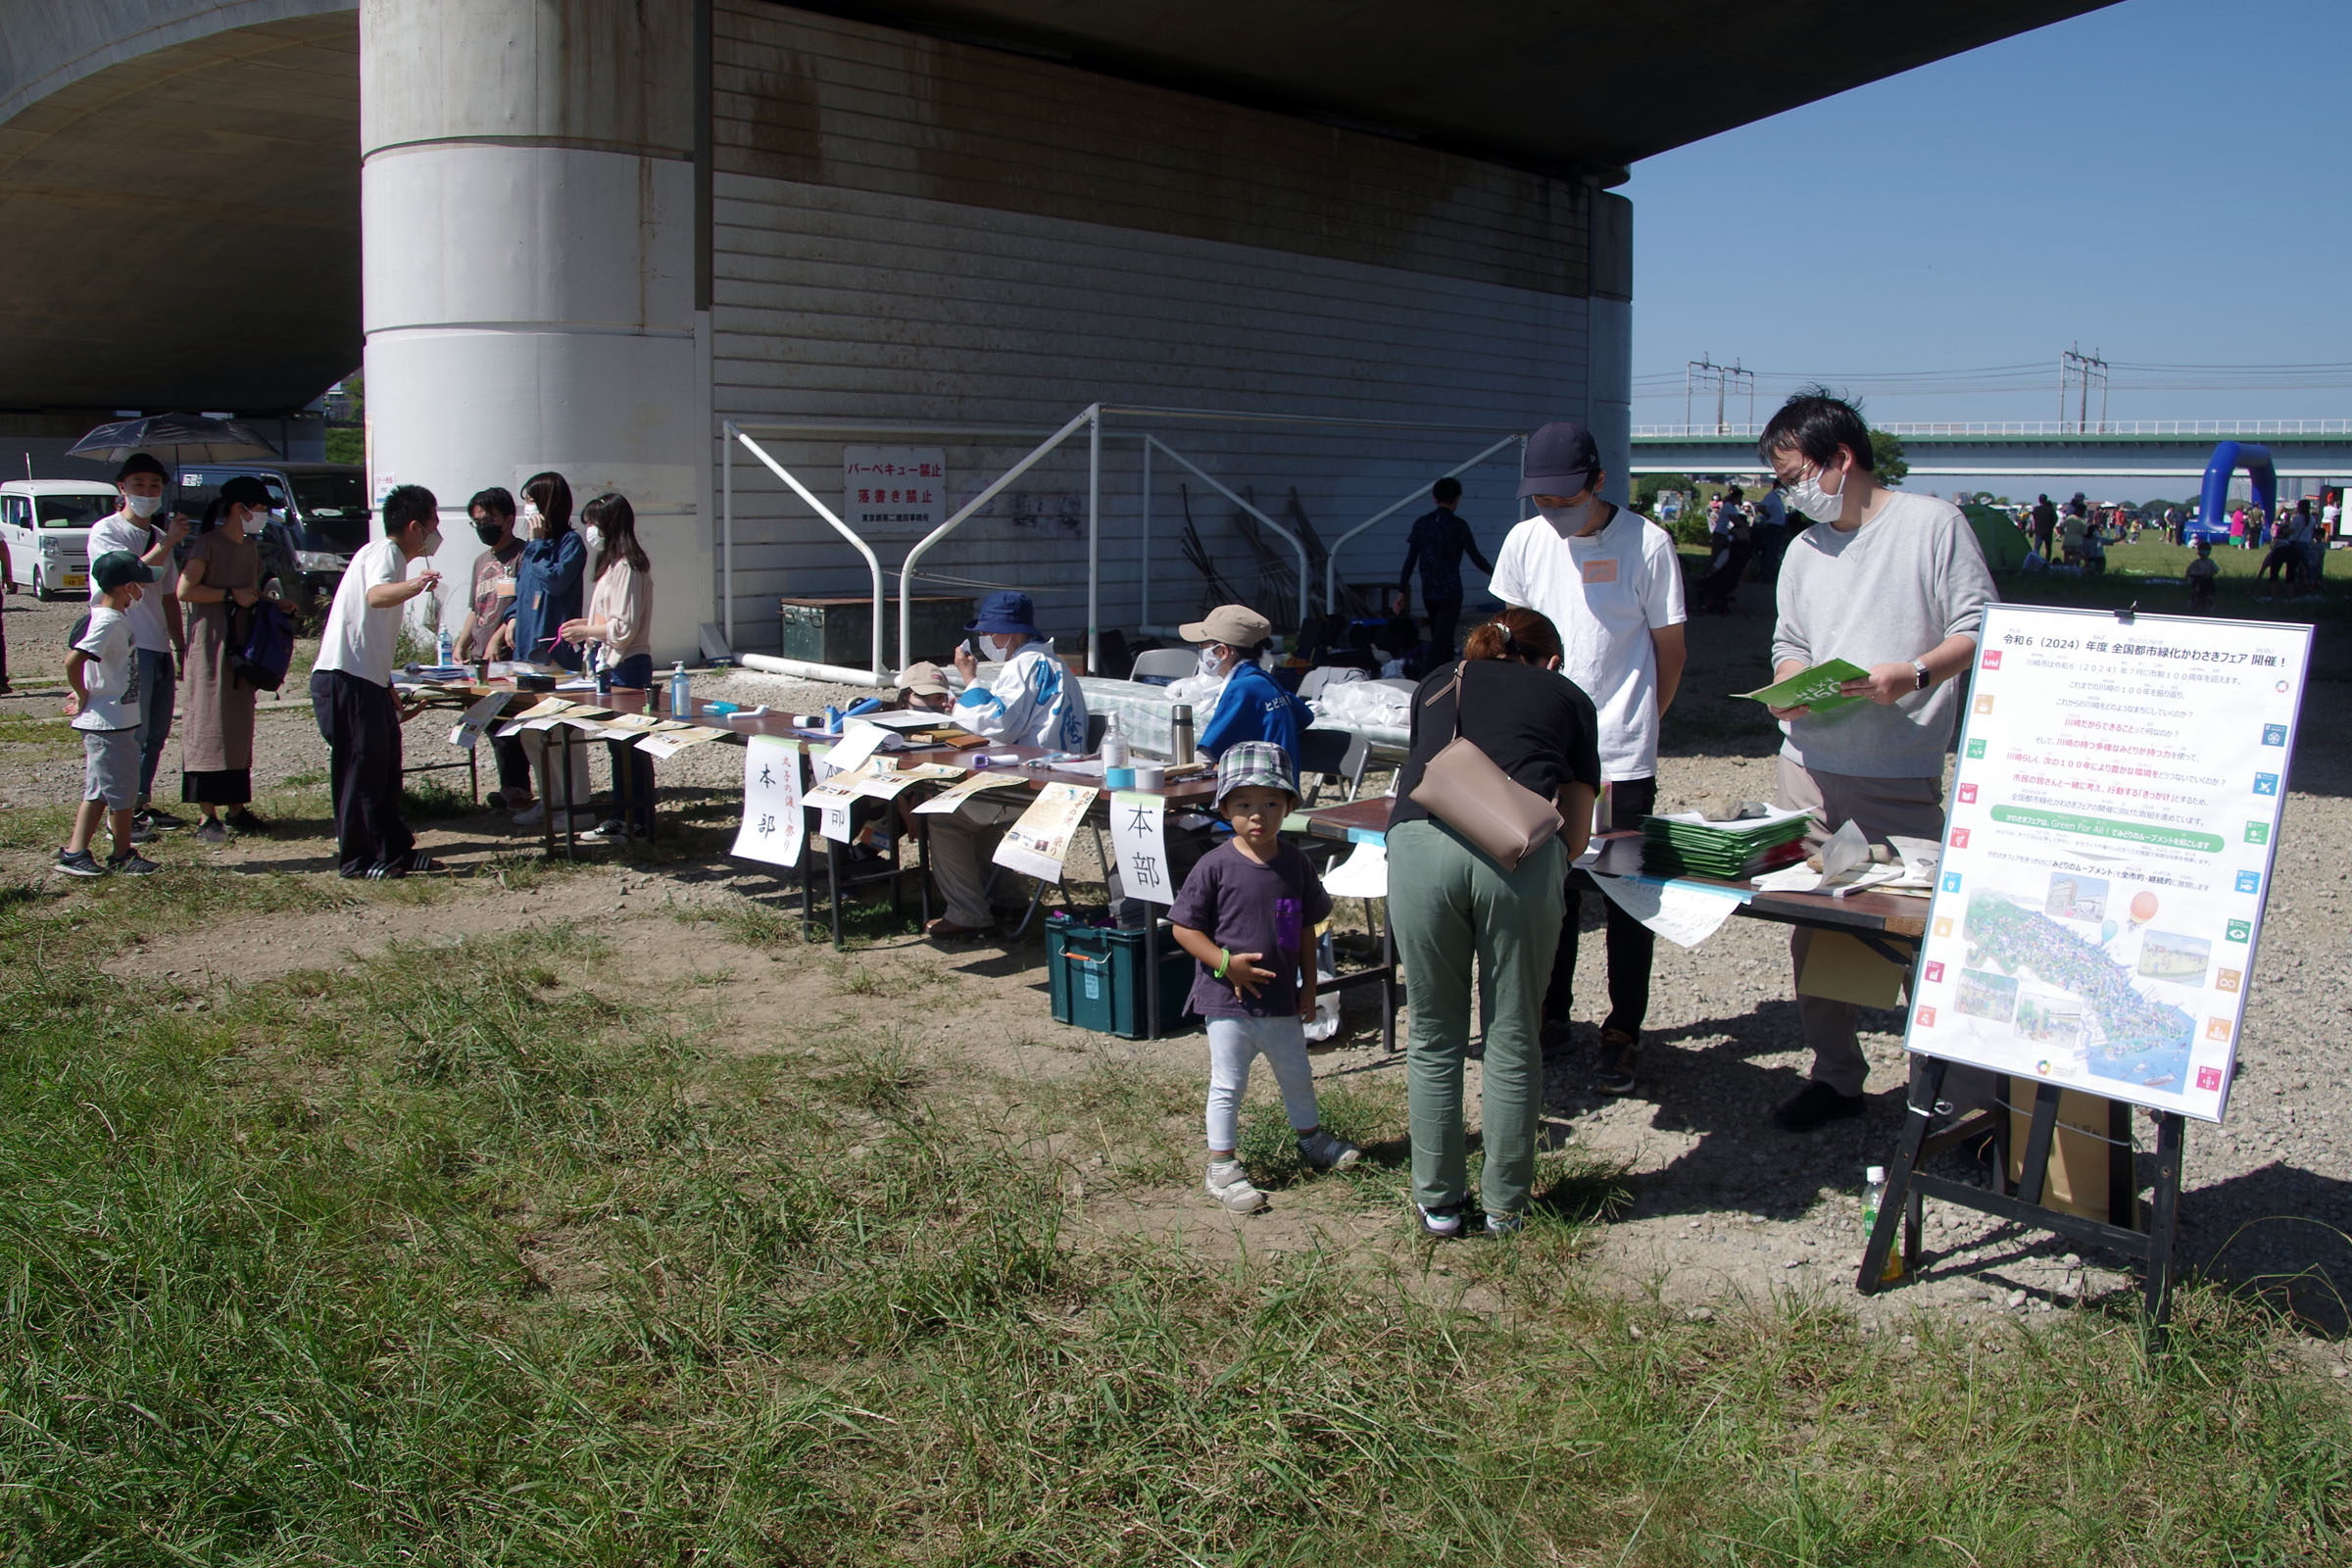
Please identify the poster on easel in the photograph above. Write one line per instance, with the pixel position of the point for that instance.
(2108, 850)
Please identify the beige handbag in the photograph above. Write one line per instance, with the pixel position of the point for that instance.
(1462, 788)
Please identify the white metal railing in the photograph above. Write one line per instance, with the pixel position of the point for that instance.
(2043, 427)
(1331, 557)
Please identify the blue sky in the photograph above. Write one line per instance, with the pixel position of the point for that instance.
(2166, 181)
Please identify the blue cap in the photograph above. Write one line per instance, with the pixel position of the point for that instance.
(1004, 614)
(1560, 461)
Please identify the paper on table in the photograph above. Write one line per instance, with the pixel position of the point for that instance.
(772, 827)
(955, 795)
(858, 741)
(1364, 874)
(1745, 824)
(478, 718)
(1684, 913)
(1815, 688)
(671, 741)
(1798, 878)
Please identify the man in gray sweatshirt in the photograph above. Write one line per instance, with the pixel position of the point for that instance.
(1896, 584)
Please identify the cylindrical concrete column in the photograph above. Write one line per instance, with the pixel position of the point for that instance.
(527, 220)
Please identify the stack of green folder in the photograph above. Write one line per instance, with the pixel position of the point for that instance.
(1679, 846)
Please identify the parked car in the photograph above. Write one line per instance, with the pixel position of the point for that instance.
(46, 523)
(326, 513)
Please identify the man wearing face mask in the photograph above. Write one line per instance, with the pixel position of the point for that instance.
(1896, 584)
(1032, 701)
(1610, 580)
(154, 625)
(1250, 704)
(351, 689)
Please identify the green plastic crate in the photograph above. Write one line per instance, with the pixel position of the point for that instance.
(841, 631)
(1095, 975)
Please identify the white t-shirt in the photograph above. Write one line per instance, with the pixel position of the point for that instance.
(119, 530)
(1606, 594)
(1771, 511)
(357, 639)
(111, 676)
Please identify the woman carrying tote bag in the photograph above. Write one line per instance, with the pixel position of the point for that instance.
(1452, 902)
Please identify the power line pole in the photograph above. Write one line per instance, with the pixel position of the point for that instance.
(1724, 376)
(2075, 371)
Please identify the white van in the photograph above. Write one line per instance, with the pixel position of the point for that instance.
(46, 525)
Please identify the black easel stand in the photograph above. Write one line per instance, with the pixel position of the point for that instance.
(1907, 1184)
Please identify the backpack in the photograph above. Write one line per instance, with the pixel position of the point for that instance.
(261, 658)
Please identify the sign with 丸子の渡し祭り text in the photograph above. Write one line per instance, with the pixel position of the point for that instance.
(2107, 851)
(894, 487)
(773, 824)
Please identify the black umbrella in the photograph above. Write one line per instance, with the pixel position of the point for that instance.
(187, 437)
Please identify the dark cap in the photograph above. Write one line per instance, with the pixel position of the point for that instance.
(116, 567)
(244, 490)
(1003, 613)
(1560, 461)
(139, 463)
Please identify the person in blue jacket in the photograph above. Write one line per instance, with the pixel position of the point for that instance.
(548, 574)
(1252, 706)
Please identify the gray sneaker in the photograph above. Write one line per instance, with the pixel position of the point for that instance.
(1229, 1184)
(1322, 1151)
(131, 862)
(78, 862)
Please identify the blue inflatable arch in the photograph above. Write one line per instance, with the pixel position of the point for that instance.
(2228, 459)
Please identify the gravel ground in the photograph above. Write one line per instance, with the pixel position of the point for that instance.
(1723, 1204)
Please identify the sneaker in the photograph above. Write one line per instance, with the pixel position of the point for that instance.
(165, 821)
(1505, 1224)
(1322, 1151)
(531, 816)
(131, 862)
(78, 862)
(1816, 1104)
(1444, 1223)
(212, 830)
(141, 833)
(1229, 1184)
(1614, 1073)
(611, 831)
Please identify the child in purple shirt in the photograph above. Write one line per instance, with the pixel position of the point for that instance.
(1246, 915)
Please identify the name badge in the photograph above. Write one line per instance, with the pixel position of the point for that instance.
(1602, 570)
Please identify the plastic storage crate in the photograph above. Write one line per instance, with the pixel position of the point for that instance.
(1095, 975)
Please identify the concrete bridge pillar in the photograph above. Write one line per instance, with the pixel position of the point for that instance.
(528, 239)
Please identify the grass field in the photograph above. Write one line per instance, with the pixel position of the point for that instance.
(450, 1258)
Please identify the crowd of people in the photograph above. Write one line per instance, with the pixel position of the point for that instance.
(1562, 692)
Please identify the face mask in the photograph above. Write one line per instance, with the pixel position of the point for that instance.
(256, 522)
(1808, 497)
(432, 543)
(1572, 519)
(487, 533)
(595, 539)
(143, 505)
(1210, 659)
(532, 523)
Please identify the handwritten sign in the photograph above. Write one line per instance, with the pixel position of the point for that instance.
(1139, 831)
(772, 827)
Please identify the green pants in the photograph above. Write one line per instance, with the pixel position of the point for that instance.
(1450, 903)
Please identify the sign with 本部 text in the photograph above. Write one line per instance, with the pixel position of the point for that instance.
(894, 487)
(2108, 850)
(1139, 829)
(772, 825)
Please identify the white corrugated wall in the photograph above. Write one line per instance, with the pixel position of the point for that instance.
(1101, 248)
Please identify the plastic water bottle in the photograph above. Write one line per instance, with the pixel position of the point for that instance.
(681, 691)
(1874, 1194)
(449, 648)
(1114, 744)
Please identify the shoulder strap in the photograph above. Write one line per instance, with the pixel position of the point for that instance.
(1461, 669)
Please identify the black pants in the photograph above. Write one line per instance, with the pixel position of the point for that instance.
(514, 767)
(633, 783)
(361, 725)
(1444, 614)
(1631, 942)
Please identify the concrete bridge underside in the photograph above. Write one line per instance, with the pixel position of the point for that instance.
(180, 180)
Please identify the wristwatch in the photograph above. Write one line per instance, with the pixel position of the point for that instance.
(1919, 669)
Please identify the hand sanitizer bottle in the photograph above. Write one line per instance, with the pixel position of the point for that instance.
(1114, 744)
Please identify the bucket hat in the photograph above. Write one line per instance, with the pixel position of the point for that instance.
(1255, 765)
(1003, 613)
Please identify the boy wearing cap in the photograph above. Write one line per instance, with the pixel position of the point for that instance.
(1252, 706)
(156, 632)
(1032, 701)
(1246, 915)
(1610, 580)
(103, 671)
